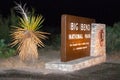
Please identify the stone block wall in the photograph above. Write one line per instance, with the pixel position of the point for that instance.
(98, 40)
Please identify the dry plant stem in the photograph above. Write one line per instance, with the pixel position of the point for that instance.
(28, 50)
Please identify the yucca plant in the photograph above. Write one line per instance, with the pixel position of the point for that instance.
(26, 35)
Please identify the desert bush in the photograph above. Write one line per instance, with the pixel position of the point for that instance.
(27, 35)
(113, 38)
(5, 51)
(5, 23)
(4, 29)
(54, 41)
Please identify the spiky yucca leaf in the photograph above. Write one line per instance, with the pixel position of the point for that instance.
(33, 23)
(20, 34)
(26, 35)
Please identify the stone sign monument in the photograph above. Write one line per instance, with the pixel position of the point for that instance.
(98, 46)
(83, 44)
(75, 37)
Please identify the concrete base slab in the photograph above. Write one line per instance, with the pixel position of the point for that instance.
(75, 64)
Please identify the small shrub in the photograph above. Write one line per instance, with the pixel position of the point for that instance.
(5, 24)
(113, 38)
(54, 41)
(5, 51)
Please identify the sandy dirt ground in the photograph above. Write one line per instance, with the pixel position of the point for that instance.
(45, 55)
(14, 69)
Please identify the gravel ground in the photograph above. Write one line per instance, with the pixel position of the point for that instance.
(14, 69)
(105, 71)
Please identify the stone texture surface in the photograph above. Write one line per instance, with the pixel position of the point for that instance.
(96, 48)
(75, 64)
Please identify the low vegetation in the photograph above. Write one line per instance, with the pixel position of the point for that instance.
(113, 38)
(5, 50)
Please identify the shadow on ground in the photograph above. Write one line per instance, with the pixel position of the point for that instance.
(105, 71)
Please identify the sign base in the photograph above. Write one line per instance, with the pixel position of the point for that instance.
(75, 64)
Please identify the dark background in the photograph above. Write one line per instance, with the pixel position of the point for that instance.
(104, 11)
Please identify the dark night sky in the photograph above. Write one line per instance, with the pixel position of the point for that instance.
(104, 11)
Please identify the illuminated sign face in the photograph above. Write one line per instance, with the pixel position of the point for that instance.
(75, 37)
